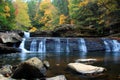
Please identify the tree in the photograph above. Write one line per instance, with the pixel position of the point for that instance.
(22, 17)
(62, 6)
(34, 12)
(110, 10)
(6, 15)
(50, 16)
(73, 10)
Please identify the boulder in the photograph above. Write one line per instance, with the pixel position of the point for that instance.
(86, 61)
(60, 77)
(30, 69)
(6, 70)
(10, 38)
(46, 64)
(3, 78)
(85, 69)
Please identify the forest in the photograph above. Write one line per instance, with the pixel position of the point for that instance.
(32, 15)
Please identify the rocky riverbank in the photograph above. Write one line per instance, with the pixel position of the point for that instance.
(9, 41)
(30, 69)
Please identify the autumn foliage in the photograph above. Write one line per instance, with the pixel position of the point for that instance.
(62, 19)
(47, 14)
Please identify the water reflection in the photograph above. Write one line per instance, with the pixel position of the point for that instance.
(23, 56)
(83, 55)
(116, 57)
(112, 57)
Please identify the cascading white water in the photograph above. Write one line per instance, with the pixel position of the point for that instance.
(82, 45)
(42, 46)
(57, 45)
(115, 46)
(22, 47)
(107, 47)
(26, 34)
(67, 46)
(112, 45)
(33, 46)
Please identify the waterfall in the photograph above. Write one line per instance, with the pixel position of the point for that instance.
(26, 34)
(42, 46)
(22, 45)
(111, 45)
(67, 46)
(107, 47)
(116, 46)
(33, 46)
(57, 45)
(82, 45)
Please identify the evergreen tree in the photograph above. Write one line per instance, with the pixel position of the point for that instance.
(62, 6)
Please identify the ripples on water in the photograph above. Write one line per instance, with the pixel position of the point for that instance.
(58, 62)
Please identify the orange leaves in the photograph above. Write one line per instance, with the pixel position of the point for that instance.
(84, 3)
(33, 29)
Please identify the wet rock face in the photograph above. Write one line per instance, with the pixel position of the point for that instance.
(30, 69)
(8, 40)
(7, 49)
(95, 44)
(41, 34)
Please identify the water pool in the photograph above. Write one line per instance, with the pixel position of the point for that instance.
(58, 63)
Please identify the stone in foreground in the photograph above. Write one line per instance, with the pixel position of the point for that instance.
(86, 61)
(30, 69)
(6, 70)
(60, 77)
(85, 69)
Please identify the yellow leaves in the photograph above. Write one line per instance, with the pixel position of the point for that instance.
(44, 19)
(6, 9)
(101, 21)
(83, 3)
(62, 19)
(50, 13)
(7, 15)
(33, 29)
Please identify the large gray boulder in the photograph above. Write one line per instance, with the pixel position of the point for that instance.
(30, 69)
(10, 38)
(85, 69)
